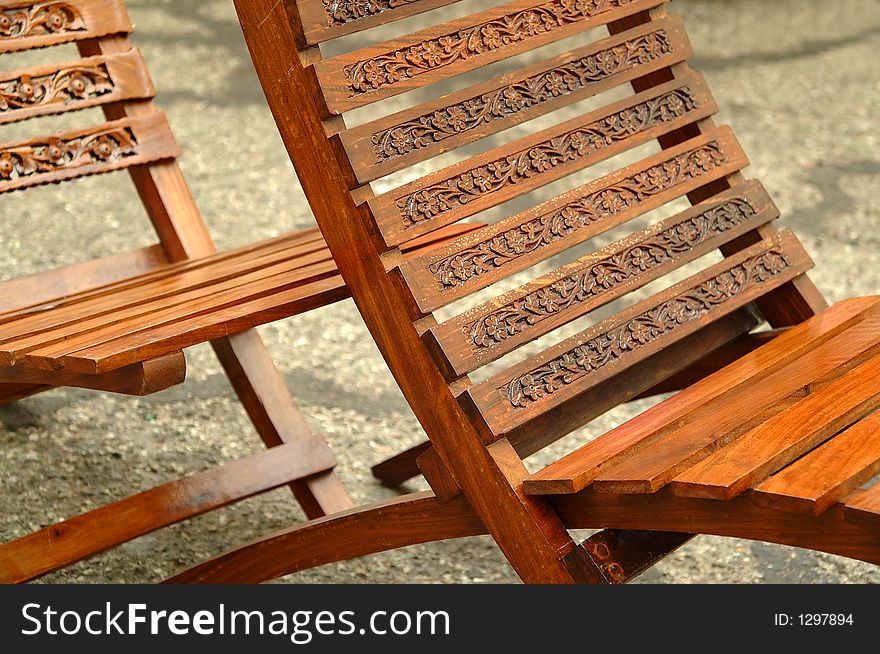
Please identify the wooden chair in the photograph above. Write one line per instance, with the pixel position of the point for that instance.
(119, 323)
(774, 435)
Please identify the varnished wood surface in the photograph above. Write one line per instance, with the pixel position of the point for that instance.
(828, 473)
(76, 153)
(142, 378)
(37, 25)
(577, 470)
(323, 21)
(596, 279)
(88, 534)
(390, 143)
(507, 400)
(832, 531)
(398, 65)
(400, 522)
(73, 85)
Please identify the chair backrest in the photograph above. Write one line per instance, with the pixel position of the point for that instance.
(111, 75)
(438, 350)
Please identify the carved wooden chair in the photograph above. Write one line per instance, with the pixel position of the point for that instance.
(772, 435)
(119, 324)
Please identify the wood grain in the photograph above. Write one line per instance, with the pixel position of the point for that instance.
(75, 153)
(504, 323)
(828, 473)
(391, 143)
(35, 24)
(392, 67)
(780, 440)
(575, 471)
(88, 534)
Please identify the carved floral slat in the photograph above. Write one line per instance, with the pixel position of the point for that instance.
(26, 25)
(73, 85)
(498, 326)
(407, 137)
(100, 149)
(513, 244)
(395, 66)
(327, 19)
(487, 180)
(569, 368)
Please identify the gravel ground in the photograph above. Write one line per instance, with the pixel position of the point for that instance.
(798, 79)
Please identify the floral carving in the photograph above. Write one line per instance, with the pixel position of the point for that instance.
(469, 114)
(340, 12)
(56, 154)
(582, 142)
(67, 85)
(38, 19)
(550, 227)
(645, 328)
(392, 67)
(607, 273)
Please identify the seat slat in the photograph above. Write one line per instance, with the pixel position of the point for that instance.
(73, 85)
(143, 307)
(26, 24)
(323, 20)
(511, 399)
(503, 173)
(215, 274)
(231, 319)
(53, 355)
(575, 471)
(380, 71)
(513, 244)
(100, 149)
(772, 445)
(391, 143)
(500, 325)
(727, 418)
(828, 473)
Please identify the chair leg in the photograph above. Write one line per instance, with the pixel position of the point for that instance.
(265, 396)
(400, 522)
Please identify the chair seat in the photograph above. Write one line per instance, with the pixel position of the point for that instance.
(159, 313)
(793, 425)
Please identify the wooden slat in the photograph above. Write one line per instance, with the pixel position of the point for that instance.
(513, 244)
(380, 71)
(48, 286)
(227, 320)
(772, 445)
(577, 470)
(43, 350)
(629, 384)
(323, 20)
(864, 506)
(562, 372)
(726, 419)
(503, 173)
(391, 143)
(828, 473)
(500, 325)
(144, 378)
(88, 534)
(73, 85)
(105, 285)
(100, 149)
(157, 290)
(28, 24)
